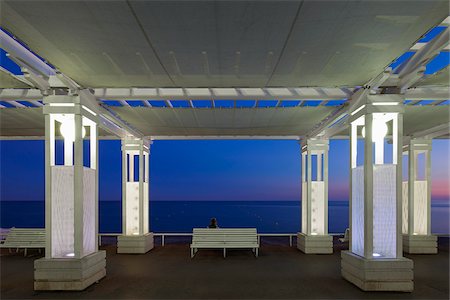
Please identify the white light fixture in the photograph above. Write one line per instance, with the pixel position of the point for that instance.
(135, 233)
(313, 233)
(67, 130)
(376, 254)
(385, 103)
(379, 130)
(70, 254)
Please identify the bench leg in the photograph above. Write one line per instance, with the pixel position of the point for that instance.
(224, 252)
(256, 252)
(25, 252)
(192, 252)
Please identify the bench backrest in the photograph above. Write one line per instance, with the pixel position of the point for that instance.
(26, 237)
(224, 235)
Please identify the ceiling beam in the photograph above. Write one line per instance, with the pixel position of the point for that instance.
(224, 137)
(427, 93)
(19, 52)
(418, 93)
(285, 94)
(430, 133)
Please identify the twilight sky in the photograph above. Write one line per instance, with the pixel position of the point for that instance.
(204, 170)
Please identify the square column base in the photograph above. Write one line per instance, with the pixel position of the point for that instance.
(135, 244)
(315, 244)
(390, 274)
(69, 274)
(420, 244)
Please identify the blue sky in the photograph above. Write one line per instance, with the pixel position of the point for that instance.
(203, 170)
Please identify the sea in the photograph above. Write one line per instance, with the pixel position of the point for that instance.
(182, 216)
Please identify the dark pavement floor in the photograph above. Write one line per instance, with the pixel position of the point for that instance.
(280, 272)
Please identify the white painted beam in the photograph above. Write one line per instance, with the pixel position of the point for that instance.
(427, 93)
(17, 104)
(319, 93)
(225, 137)
(15, 49)
(425, 54)
(20, 94)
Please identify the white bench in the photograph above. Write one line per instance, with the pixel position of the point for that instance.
(224, 238)
(24, 238)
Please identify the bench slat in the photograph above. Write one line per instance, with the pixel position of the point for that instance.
(24, 238)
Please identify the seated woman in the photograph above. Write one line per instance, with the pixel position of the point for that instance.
(213, 223)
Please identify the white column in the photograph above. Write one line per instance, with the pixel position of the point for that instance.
(375, 198)
(71, 197)
(135, 237)
(417, 202)
(314, 236)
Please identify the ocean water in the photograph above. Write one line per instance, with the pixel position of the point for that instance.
(182, 216)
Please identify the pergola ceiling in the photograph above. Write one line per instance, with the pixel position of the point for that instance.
(278, 121)
(220, 43)
(234, 122)
(7, 81)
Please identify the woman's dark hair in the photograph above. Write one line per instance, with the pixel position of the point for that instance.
(213, 223)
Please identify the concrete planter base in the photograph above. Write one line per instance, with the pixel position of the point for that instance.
(135, 244)
(391, 274)
(420, 244)
(315, 244)
(69, 274)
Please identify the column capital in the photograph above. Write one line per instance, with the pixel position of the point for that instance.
(417, 144)
(136, 144)
(314, 144)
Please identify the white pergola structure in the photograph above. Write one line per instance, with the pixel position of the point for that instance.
(314, 237)
(416, 228)
(72, 259)
(135, 207)
(300, 55)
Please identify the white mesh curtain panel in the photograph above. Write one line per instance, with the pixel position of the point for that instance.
(420, 207)
(132, 207)
(384, 208)
(62, 211)
(304, 212)
(89, 211)
(317, 207)
(358, 210)
(146, 204)
(405, 207)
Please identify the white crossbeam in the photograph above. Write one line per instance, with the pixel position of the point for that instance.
(286, 94)
(17, 104)
(425, 54)
(15, 49)
(418, 93)
(434, 132)
(427, 93)
(224, 137)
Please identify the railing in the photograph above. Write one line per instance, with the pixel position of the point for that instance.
(163, 236)
(172, 234)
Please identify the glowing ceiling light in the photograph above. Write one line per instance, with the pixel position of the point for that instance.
(379, 130)
(376, 254)
(67, 130)
(70, 254)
